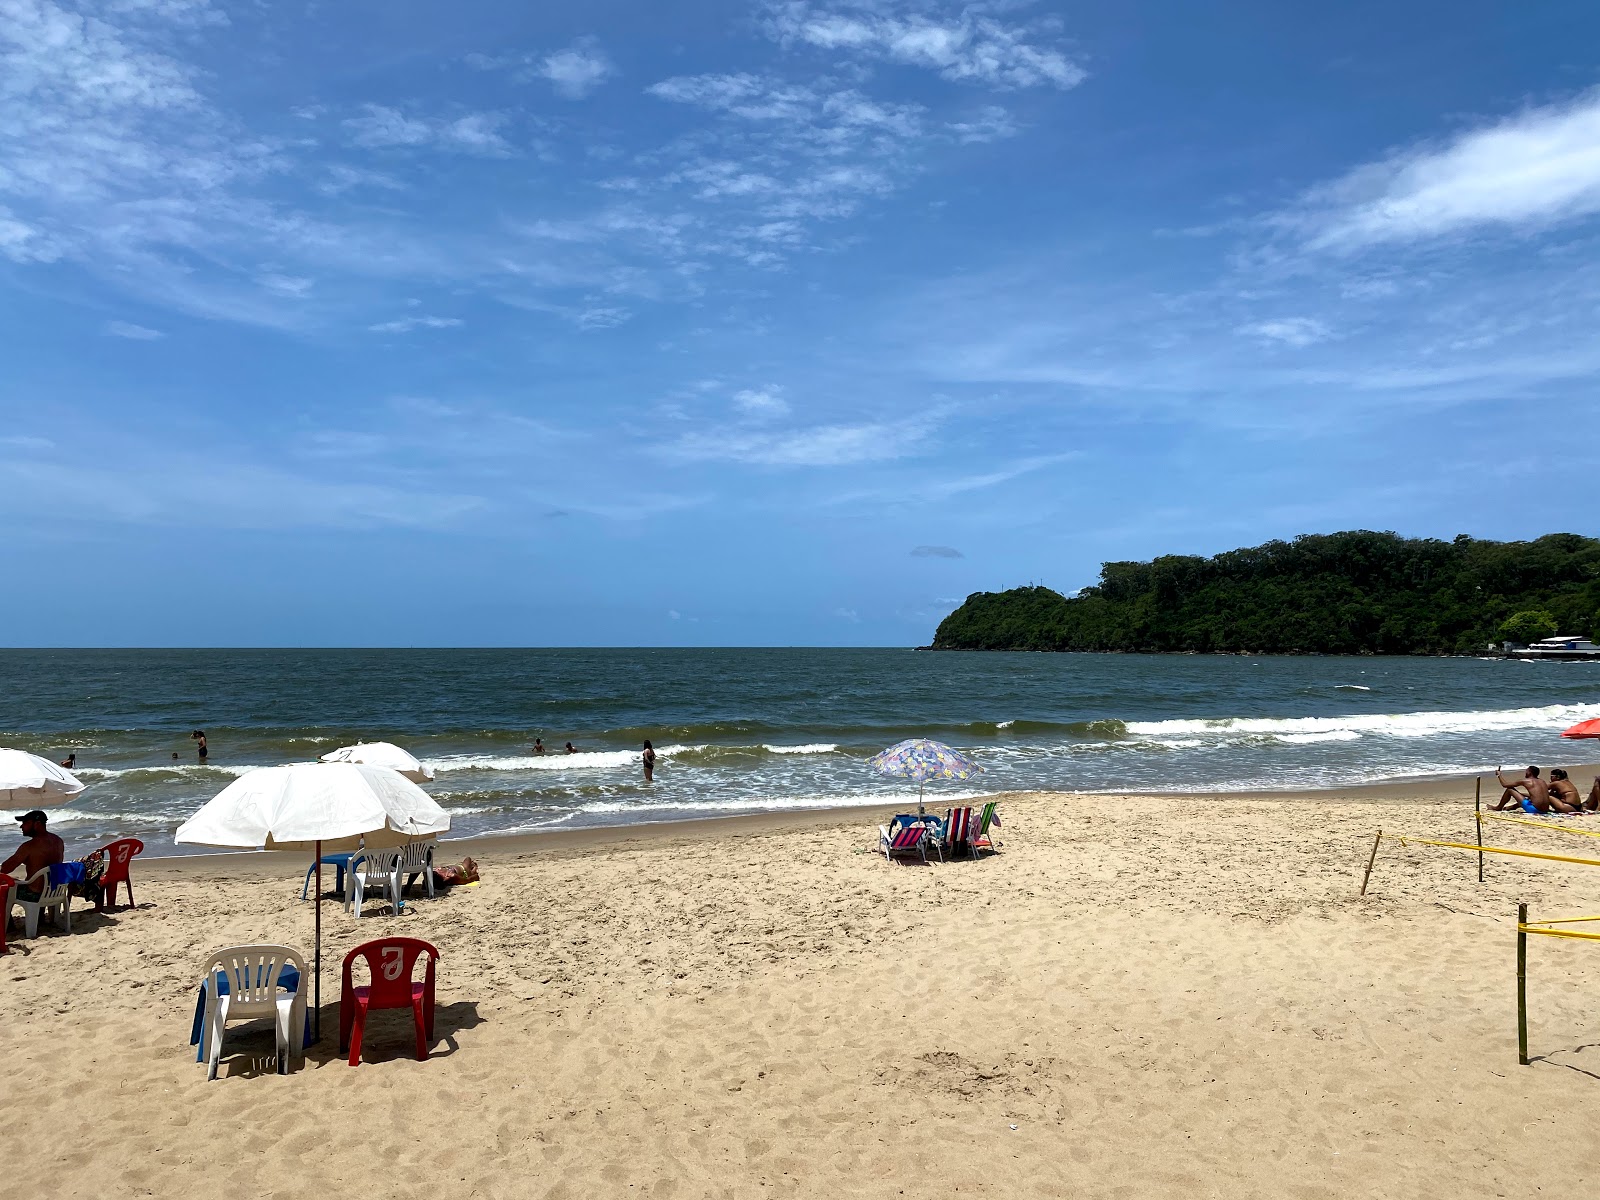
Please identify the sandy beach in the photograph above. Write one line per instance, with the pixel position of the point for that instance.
(1150, 997)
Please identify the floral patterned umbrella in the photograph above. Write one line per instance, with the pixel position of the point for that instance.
(922, 760)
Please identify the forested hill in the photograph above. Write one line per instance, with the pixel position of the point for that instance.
(1340, 593)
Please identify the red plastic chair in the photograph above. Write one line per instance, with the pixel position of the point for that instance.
(390, 962)
(119, 855)
(6, 884)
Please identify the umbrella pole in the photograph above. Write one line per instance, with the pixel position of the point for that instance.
(920, 810)
(316, 986)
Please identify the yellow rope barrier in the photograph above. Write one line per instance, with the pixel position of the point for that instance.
(1562, 933)
(1489, 816)
(1587, 862)
(1564, 920)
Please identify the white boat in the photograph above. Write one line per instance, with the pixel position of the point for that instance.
(1557, 649)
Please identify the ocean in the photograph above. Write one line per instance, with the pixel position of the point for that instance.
(744, 731)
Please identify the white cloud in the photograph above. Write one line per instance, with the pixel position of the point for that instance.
(149, 489)
(342, 178)
(964, 45)
(407, 324)
(475, 133)
(762, 403)
(1528, 171)
(991, 123)
(294, 287)
(936, 552)
(1291, 331)
(823, 446)
(137, 333)
(577, 70)
(18, 441)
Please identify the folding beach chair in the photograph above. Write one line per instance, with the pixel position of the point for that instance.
(242, 983)
(390, 962)
(903, 837)
(981, 839)
(119, 855)
(956, 832)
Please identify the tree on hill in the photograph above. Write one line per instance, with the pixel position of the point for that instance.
(1358, 592)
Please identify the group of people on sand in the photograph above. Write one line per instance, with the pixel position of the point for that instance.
(1532, 793)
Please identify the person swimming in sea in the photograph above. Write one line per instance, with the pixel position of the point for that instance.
(199, 735)
(571, 749)
(538, 745)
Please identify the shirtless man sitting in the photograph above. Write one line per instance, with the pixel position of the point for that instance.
(41, 849)
(1538, 794)
(1564, 795)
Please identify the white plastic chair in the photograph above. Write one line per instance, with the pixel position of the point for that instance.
(376, 869)
(252, 974)
(416, 858)
(57, 898)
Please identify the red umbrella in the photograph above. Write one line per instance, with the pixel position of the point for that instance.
(1584, 729)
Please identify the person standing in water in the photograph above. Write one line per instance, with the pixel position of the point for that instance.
(199, 735)
(649, 760)
(571, 749)
(538, 745)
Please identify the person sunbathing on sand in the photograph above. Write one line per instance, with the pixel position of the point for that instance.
(1538, 793)
(1591, 802)
(1564, 793)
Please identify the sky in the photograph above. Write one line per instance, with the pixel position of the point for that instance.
(766, 322)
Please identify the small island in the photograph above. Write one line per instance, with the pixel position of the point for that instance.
(1357, 592)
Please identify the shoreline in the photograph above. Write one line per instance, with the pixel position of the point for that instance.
(595, 838)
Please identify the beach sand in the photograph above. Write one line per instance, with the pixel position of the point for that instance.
(1152, 997)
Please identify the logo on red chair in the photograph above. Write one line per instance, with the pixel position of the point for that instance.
(393, 961)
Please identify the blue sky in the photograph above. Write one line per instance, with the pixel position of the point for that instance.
(751, 322)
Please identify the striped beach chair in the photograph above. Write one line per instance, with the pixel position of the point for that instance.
(981, 839)
(956, 832)
(899, 840)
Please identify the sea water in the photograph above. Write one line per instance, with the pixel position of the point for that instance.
(744, 731)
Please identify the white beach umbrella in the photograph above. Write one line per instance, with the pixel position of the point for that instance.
(32, 779)
(382, 754)
(317, 807)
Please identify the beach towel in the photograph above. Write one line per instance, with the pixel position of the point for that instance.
(70, 873)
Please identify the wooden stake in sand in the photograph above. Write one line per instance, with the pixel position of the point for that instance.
(1371, 858)
(1522, 984)
(1477, 819)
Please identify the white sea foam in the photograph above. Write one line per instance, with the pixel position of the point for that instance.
(1351, 687)
(583, 760)
(810, 748)
(96, 774)
(1412, 725)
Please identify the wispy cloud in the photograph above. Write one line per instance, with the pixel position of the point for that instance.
(220, 493)
(1290, 331)
(766, 403)
(1529, 171)
(577, 70)
(473, 133)
(822, 446)
(936, 552)
(966, 42)
(136, 333)
(407, 324)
